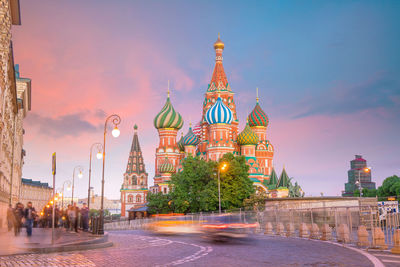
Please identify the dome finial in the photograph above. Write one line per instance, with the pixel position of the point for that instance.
(219, 44)
(257, 94)
(168, 89)
(190, 124)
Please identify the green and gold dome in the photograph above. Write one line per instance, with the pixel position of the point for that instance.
(166, 166)
(168, 117)
(247, 136)
(180, 143)
(258, 117)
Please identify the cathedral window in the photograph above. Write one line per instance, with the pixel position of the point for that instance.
(130, 198)
(138, 199)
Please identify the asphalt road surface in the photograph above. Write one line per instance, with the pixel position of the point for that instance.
(139, 248)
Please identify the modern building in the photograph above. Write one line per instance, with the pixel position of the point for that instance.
(112, 205)
(11, 103)
(37, 192)
(134, 188)
(216, 134)
(358, 173)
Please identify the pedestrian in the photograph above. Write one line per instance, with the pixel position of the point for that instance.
(18, 218)
(71, 217)
(85, 217)
(10, 217)
(77, 213)
(29, 215)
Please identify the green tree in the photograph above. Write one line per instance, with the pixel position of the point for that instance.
(255, 202)
(159, 203)
(389, 187)
(195, 188)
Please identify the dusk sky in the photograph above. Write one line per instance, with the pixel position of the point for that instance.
(328, 74)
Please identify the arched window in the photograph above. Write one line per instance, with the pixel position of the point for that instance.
(165, 190)
(130, 198)
(138, 198)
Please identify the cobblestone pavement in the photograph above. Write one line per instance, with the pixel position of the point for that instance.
(138, 248)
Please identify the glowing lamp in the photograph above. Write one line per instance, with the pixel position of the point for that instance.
(115, 132)
(367, 169)
(56, 198)
(48, 206)
(69, 188)
(51, 202)
(99, 155)
(80, 174)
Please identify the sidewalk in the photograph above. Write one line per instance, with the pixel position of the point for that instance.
(40, 241)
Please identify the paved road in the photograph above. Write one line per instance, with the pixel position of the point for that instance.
(138, 248)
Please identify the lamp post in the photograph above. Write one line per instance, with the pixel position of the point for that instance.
(62, 196)
(99, 155)
(116, 120)
(80, 169)
(366, 170)
(222, 168)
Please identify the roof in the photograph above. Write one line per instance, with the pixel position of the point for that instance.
(35, 183)
(283, 179)
(273, 180)
(135, 160)
(145, 208)
(218, 80)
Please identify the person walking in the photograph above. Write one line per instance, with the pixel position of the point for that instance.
(18, 216)
(85, 217)
(71, 217)
(29, 215)
(77, 213)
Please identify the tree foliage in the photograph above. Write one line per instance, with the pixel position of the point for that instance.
(256, 201)
(389, 187)
(195, 188)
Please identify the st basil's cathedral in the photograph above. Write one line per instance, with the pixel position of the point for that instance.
(216, 134)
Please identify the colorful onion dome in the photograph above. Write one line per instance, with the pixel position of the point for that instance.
(180, 143)
(247, 137)
(166, 166)
(168, 117)
(190, 139)
(219, 44)
(258, 117)
(219, 113)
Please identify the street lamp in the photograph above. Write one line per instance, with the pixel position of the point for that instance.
(223, 167)
(68, 182)
(116, 120)
(80, 169)
(99, 155)
(366, 170)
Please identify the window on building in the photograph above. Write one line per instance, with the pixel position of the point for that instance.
(130, 198)
(138, 198)
(165, 190)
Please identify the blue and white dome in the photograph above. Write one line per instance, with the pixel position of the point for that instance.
(219, 113)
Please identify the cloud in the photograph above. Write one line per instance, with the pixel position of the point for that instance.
(380, 92)
(61, 126)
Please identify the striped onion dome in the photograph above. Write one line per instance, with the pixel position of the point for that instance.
(197, 130)
(180, 144)
(168, 117)
(166, 166)
(258, 117)
(190, 139)
(219, 113)
(247, 136)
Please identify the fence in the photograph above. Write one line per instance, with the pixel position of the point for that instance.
(359, 225)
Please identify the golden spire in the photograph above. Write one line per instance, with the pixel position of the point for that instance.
(257, 94)
(219, 44)
(190, 124)
(168, 89)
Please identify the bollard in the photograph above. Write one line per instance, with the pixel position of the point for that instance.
(379, 238)
(280, 229)
(268, 229)
(362, 234)
(303, 231)
(315, 231)
(396, 241)
(343, 233)
(326, 232)
(290, 231)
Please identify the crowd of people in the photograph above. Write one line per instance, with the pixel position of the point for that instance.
(72, 218)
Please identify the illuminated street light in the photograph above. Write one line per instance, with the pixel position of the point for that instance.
(116, 120)
(366, 170)
(222, 168)
(80, 169)
(99, 156)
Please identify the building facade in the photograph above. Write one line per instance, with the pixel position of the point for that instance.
(134, 188)
(216, 134)
(37, 192)
(358, 173)
(10, 117)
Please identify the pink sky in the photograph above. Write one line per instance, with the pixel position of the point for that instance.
(95, 58)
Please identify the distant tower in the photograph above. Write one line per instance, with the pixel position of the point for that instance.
(134, 188)
(167, 122)
(357, 173)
